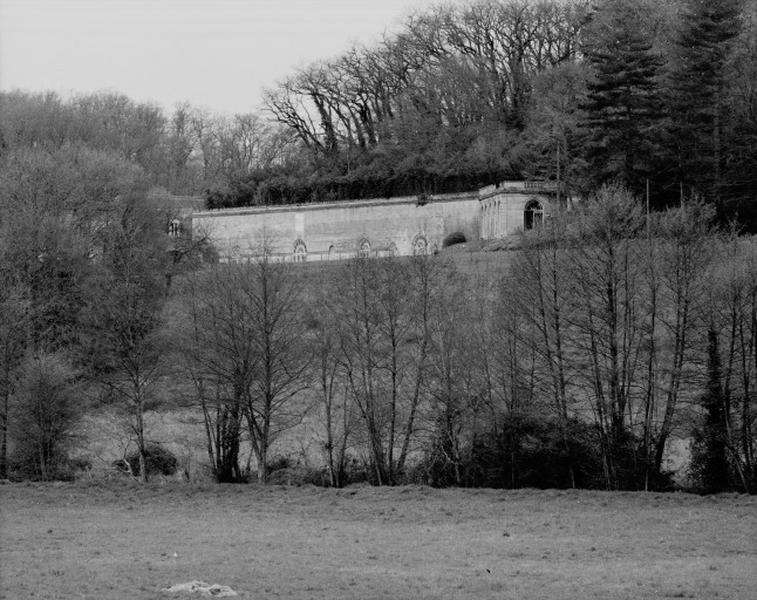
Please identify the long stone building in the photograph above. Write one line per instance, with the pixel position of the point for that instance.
(377, 227)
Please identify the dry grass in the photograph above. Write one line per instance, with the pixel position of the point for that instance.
(118, 541)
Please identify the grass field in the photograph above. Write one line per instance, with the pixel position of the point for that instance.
(121, 541)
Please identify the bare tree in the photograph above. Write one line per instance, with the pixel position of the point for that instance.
(336, 414)
(213, 332)
(456, 379)
(13, 338)
(46, 410)
(247, 354)
(732, 310)
(282, 355)
(607, 305)
(384, 334)
(125, 314)
(540, 297)
(181, 144)
(682, 259)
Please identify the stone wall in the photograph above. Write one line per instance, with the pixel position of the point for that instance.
(380, 227)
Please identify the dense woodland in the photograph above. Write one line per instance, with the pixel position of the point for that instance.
(613, 331)
(642, 93)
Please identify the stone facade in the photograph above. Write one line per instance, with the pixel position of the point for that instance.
(381, 227)
(514, 206)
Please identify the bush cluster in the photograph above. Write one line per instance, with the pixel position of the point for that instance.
(158, 461)
(530, 452)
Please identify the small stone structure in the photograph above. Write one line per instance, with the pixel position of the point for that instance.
(513, 206)
(379, 227)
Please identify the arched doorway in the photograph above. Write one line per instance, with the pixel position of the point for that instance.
(533, 215)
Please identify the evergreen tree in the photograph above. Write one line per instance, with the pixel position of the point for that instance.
(698, 85)
(739, 187)
(709, 460)
(623, 107)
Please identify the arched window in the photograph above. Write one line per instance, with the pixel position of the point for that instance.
(174, 228)
(364, 249)
(420, 244)
(392, 249)
(533, 215)
(300, 251)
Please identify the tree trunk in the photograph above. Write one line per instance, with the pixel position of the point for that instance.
(262, 464)
(4, 438)
(140, 427)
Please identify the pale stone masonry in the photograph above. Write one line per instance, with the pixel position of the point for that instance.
(379, 227)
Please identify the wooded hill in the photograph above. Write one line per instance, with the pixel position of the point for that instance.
(584, 93)
(613, 331)
(642, 93)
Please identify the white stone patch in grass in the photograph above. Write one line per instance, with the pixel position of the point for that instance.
(215, 590)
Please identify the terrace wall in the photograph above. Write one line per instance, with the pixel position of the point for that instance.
(379, 227)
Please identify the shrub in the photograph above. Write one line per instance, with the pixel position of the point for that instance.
(520, 452)
(532, 452)
(279, 463)
(284, 470)
(158, 461)
(45, 410)
(453, 239)
(529, 452)
(299, 475)
(288, 471)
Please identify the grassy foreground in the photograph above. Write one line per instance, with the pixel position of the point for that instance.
(114, 541)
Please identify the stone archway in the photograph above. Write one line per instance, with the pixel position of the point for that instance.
(533, 215)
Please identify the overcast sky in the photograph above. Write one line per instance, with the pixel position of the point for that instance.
(217, 54)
